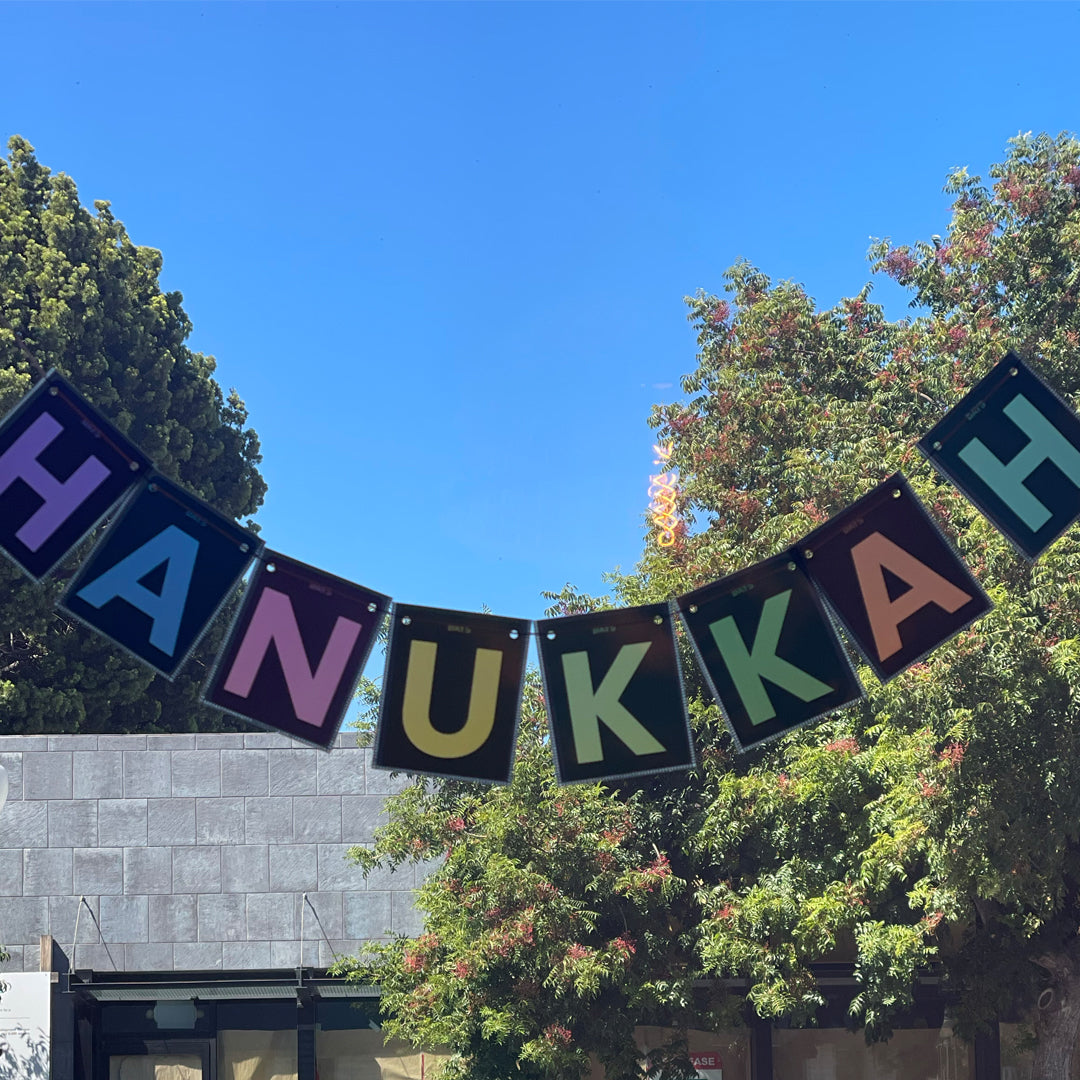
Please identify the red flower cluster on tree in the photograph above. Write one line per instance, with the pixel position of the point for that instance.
(416, 959)
(953, 753)
(957, 335)
(899, 265)
(558, 1036)
(843, 746)
(927, 789)
(719, 314)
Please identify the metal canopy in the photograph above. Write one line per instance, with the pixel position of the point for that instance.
(204, 986)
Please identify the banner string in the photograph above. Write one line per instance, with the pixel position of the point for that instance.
(947, 430)
(58, 392)
(157, 489)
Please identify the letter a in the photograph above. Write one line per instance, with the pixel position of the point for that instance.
(274, 623)
(588, 706)
(62, 498)
(761, 662)
(416, 706)
(878, 552)
(177, 550)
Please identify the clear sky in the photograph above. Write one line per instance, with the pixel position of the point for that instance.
(441, 250)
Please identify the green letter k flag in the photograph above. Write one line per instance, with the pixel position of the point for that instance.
(794, 668)
(588, 706)
(748, 669)
(614, 694)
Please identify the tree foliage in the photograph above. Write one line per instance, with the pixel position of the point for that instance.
(76, 294)
(938, 823)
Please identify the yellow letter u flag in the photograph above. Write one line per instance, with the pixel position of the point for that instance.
(451, 694)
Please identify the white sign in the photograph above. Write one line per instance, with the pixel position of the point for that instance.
(25, 1025)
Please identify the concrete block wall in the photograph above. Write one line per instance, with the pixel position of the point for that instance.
(193, 851)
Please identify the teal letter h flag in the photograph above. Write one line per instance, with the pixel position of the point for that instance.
(1012, 446)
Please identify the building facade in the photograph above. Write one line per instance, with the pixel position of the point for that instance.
(177, 899)
(197, 869)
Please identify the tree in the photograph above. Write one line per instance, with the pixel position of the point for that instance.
(937, 823)
(76, 294)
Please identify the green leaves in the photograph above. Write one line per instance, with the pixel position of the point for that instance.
(555, 918)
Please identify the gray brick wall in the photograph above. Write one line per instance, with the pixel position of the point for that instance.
(193, 851)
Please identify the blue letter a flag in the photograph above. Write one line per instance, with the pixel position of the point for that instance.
(160, 574)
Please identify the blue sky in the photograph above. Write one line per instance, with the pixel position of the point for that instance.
(441, 250)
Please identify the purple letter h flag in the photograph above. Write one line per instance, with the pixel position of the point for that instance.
(62, 468)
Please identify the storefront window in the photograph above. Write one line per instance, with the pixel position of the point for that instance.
(717, 1055)
(155, 1067)
(838, 1054)
(361, 1054)
(256, 1055)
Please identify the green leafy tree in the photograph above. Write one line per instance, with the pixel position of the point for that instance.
(555, 923)
(76, 294)
(938, 823)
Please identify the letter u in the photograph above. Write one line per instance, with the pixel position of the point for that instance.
(416, 707)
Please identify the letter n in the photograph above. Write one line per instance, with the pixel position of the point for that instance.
(274, 623)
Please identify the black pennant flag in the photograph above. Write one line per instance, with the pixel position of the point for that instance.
(614, 694)
(891, 577)
(1012, 446)
(767, 647)
(160, 574)
(296, 650)
(451, 693)
(62, 468)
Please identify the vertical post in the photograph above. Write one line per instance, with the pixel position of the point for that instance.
(305, 1035)
(761, 1050)
(61, 1008)
(988, 1054)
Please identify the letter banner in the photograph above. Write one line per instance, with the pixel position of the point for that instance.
(296, 650)
(451, 693)
(892, 579)
(614, 694)
(768, 650)
(1012, 446)
(157, 578)
(63, 467)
